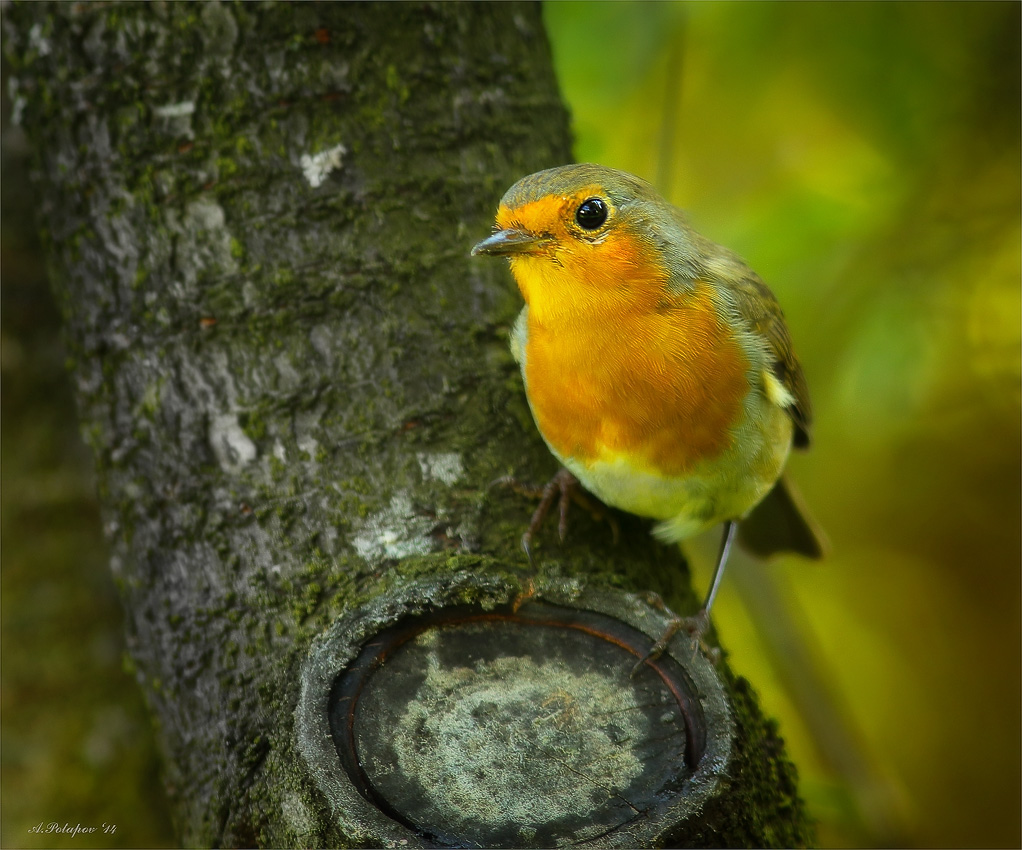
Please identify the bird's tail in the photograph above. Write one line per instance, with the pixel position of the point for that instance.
(781, 523)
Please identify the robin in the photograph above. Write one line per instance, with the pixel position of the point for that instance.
(657, 365)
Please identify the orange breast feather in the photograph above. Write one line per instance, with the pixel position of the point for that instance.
(660, 388)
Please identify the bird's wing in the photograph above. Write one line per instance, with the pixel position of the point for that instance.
(758, 308)
(754, 305)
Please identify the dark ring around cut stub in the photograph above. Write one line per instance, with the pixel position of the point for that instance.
(427, 721)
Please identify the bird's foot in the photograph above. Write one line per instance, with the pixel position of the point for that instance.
(565, 489)
(697, 625)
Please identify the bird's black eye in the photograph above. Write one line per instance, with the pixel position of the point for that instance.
(591, 214)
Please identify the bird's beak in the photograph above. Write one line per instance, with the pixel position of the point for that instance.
(505, 243)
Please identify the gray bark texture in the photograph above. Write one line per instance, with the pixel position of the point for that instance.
(294, 379)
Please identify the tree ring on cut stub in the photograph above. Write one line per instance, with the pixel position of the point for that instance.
(481, 725)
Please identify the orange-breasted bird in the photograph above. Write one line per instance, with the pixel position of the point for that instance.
(657, 365)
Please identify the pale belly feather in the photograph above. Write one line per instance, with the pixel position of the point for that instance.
(718, 489)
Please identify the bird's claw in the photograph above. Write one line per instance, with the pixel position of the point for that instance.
(565, 489)
(697, 625)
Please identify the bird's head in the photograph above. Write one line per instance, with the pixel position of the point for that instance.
(588, 239)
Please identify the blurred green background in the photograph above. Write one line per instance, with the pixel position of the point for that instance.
(865, 159)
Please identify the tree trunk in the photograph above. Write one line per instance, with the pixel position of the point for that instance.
(297, 387)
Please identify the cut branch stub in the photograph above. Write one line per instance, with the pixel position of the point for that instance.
(441, 723)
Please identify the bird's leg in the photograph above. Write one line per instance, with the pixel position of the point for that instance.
(697, 624)
(566, 489)
(726, 541)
